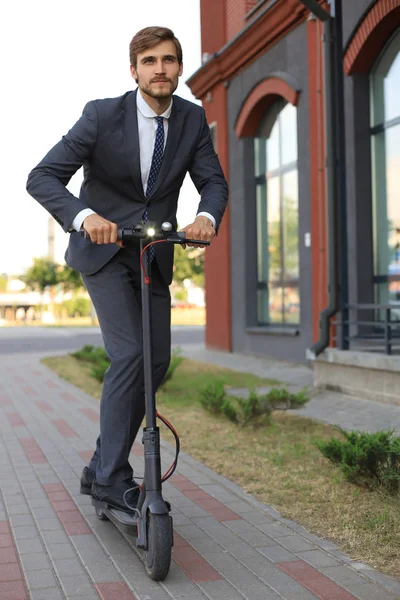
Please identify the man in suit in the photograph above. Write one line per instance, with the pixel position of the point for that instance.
(136, 150)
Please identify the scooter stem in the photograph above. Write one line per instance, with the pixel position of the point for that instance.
(147, 349)
(151, 433)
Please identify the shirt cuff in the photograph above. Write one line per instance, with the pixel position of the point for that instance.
(206, 214)
(80, 217)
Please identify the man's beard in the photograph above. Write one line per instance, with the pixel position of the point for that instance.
(146, 89)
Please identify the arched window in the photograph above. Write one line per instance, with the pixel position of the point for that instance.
(277, 216)
(385, 143)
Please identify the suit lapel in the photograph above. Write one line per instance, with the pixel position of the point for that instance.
(175, 126)
(131, 137)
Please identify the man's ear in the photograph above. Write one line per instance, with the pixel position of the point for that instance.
(134, 73)
(180, 70)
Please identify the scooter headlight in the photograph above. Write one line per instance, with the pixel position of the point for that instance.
(151, 231)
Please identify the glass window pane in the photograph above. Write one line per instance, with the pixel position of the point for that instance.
(288, 122)
(392, 148)
(273, 228)
(262, 253)
(273, 159)
(290, 216)
(392, 91)
(291, 305)
(385, 88)
(275, 304)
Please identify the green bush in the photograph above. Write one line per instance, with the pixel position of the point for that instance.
(254, 410)
(230, 411)
(176, 360)
(282, 398)
(101, 361)
(77, 306)
(371, 459)
(100, 369)
(212, 397)
(92, 354)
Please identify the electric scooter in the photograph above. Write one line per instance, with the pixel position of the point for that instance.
(149, 522)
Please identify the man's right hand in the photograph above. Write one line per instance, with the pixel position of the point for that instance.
(100, 230)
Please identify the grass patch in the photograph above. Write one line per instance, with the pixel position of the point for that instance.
(280, 464)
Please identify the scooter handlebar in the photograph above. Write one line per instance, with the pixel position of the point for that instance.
(166, 233)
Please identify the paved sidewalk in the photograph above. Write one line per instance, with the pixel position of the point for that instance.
(228, 546)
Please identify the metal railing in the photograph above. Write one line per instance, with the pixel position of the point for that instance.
(377, 331)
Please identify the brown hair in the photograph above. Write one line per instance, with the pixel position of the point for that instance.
(150, 37)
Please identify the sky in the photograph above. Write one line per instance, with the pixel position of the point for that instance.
(55, 57)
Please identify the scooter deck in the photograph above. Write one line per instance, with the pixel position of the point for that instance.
(125, 521)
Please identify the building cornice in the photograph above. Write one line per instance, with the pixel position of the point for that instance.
(267, 27)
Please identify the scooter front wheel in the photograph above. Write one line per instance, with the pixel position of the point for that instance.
(159, 540)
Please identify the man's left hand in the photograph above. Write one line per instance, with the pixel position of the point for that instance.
(201, 229)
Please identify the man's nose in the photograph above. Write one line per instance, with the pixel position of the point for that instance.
(160, 66)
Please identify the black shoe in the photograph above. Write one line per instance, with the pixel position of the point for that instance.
(87, 478)
(113, 495)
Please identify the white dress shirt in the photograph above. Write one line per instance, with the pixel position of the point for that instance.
(147, 126)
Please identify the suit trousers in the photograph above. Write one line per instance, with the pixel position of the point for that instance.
(115, 291)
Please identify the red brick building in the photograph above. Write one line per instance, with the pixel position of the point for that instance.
(262, 86)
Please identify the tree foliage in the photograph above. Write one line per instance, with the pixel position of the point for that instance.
(189, 264)
(45, 273)
(42, 274)
(69, 278)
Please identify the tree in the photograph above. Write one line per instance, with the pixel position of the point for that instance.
(42, 274)
(70, 279)
(189, 264)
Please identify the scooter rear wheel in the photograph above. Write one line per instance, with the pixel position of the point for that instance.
(159, 539)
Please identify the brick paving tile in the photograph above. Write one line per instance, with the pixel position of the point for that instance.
(320, 585)
(90, 414)
(12, 581)
(15, 419)
(44, 406)
(68, 397)
(192, 563)
(115, 590)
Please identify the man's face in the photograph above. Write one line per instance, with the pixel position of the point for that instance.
(157, 70)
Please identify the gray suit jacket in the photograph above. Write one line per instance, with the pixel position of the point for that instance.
(105, 141)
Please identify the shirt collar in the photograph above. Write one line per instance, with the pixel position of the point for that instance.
(147, 111)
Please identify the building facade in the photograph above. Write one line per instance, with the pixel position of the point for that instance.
(263, 86)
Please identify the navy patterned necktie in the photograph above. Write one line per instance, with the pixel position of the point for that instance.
(155, 168)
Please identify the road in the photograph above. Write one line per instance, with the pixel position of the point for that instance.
(15, 340)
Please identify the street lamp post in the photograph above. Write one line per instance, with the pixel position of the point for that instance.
(335, 148)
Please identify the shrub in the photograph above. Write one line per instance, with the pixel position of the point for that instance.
(176, 360)
(254, 410)
(212, 397)
(101, 361)
(371, 459)
(282, 398)
(100, 369)
(91, 354)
